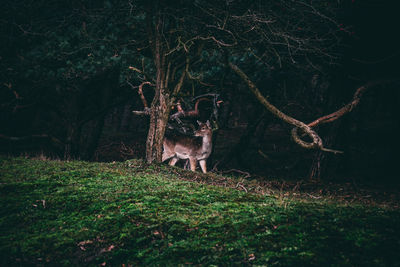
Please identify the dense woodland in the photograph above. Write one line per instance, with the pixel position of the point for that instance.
(302, 99)
(70, 73)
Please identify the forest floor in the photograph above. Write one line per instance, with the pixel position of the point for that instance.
(130, 213)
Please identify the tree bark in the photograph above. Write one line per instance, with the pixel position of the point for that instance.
(159, 109)
(159, 114)
(320, 163)
(164, 94)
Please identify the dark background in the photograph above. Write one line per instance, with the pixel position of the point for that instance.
(87, 114)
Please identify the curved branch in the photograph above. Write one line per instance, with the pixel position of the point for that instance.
(316, 140)
(190, 113)
(346, 109)
(140, 92)
(146, 109)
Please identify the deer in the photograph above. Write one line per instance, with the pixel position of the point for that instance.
(196, 148)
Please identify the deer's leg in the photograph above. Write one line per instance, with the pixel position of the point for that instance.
(203, 165)
(165, 157)
(193, 164)
(168, 151)
(173, 161)
(167, 154)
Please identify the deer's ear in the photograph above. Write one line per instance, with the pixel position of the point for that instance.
(198, 122)
(208, 123)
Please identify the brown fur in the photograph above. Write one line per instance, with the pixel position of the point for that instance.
(195, 148)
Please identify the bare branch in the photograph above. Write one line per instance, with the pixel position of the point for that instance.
(306, 128)
(182, 78)
(346, 109)
(142, 72)
(140, 92)
(190, 113)
(316, 140)
(144, 112)
(221, 43)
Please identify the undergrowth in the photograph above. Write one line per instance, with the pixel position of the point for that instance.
(79, 213)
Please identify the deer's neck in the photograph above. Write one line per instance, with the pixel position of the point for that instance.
(207, 142)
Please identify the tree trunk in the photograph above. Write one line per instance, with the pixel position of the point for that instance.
(71, 148)
(164, 96)
(321, 161)
(94, 137)
(160, 108)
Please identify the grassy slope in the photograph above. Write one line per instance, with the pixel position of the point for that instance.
(93, 213)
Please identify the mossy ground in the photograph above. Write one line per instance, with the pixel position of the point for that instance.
(79, 213)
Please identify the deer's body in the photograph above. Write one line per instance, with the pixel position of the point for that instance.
(196, 148)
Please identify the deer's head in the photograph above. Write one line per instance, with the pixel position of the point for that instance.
(204, 129)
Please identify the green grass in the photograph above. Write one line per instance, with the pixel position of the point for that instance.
(79, 213)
